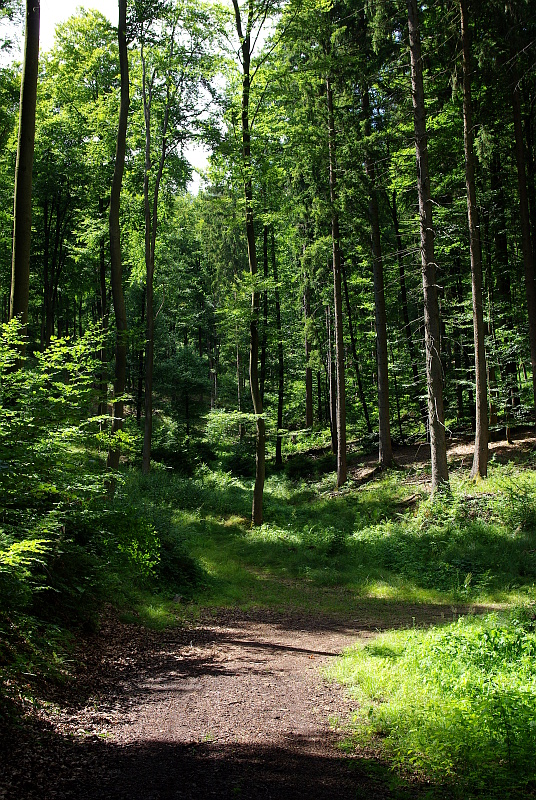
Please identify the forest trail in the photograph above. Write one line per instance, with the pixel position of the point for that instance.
(234, 706)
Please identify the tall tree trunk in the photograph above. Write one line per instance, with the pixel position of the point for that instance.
(405, 312)
(337, 294)
(308, 368)
(280, 363)
(526, 244)
(22, 208)
(504, 286)
(385, 446)
(260, 438)
(531, 167)
(103, 313)
(141, 366)
(480, 459)
(434, 378)
(332, 385)
(264, 311)
(115, 242)
(151, 225)
(354, 350)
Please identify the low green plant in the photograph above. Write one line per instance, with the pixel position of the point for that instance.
(457, 703)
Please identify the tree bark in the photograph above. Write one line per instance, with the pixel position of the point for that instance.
(354, 350)
(434, 378)
(260, 438)
(151, 225)
(103, 313)
(115, 242)
(332, 385)
(385, 454)
(405, 312)
(280, 362)
(480, 459)
(337, 294)
(264, 311)
(22, 208)
(308, 368)
(526, 244)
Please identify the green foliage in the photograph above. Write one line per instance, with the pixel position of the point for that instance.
(455, 703)
(66, 543)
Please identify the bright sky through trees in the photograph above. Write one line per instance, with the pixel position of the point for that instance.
(56, 11)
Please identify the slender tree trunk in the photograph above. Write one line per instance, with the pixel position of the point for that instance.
(337, 294)
(115, 242)
(151, 225)
(332, 385)
(319, 390)
(280, 362)
(395, 386)
(239, 386)
(22, 208)
(480, 459)
(354, 350)
(405, 313)
(385, 446)
(526, 244)
(141, 366)
(531, 167)
(308, 368)
(103, 313)
(434, 376)
(264, 311)
(260, 439)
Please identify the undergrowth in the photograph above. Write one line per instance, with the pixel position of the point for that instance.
(456, 704)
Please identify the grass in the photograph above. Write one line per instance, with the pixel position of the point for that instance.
(456, 704)
(325, 551)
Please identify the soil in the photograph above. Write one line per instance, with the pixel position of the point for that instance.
(233, 706)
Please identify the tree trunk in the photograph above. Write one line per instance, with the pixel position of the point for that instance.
(480, 459)
(22, 208)
(385, 446)
(141, 366)
(115, 242)
(337, 294)
(308, 368)
(434, 378)
(526, 244)
(332, 386)
(264, 311)
(354, 350)
(260, 438)
(280, 363)
(151, 225)
(405, 312)
(103, 313)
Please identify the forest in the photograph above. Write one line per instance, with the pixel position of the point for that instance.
(285, 398)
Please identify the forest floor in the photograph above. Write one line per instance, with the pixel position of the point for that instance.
(233, 706)
(230, 704)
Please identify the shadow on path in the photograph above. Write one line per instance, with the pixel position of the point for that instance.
(91, 769)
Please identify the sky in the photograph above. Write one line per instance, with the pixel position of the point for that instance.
(55, 11)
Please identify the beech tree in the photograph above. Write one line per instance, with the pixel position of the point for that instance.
(22, 212)
(115, 241)
(247, 23)
(480, 460)
(434, 376)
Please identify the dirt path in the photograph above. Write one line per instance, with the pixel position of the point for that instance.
(235, 706)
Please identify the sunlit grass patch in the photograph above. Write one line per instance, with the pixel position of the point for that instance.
(457, 704)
